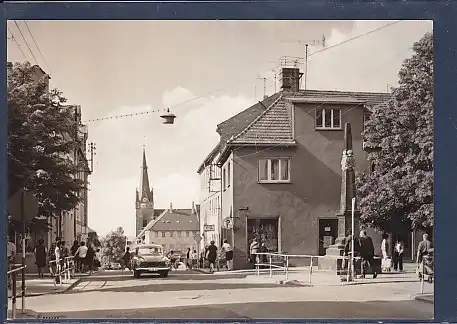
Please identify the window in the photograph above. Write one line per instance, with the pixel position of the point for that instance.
(163, 234)
(179, 234)
(156, 234)
(228, 174)
(187, 234)
(274, 170)
(327, 118)
(145, 222)
(223, 179)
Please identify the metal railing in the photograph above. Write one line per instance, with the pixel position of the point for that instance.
(284, 264)
(65, 268)
(12, 278)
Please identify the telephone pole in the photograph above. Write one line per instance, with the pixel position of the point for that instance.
(308, 43)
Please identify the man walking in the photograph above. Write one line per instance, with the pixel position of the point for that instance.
(422, 250)
(367, 253)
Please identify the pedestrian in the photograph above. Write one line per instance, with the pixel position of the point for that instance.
(211, 256)
(228, 255)
(253, 250)
(40, 257)
(81, 252)
(194, 259)
(90, 258)
(348, 256)
(386, 262)
(57, 253)
(398, 253)
(126, 259)
(367, 253)
(201, 260)
(172, 258)
(11, 255)
(263, 257)
(189, 259)
(422, 250)
(74, 248)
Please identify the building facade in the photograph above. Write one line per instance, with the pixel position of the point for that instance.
(210, 199)
(281, 168)
(174, 229)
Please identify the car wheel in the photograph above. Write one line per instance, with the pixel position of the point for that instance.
(136, 274)
(163, 274)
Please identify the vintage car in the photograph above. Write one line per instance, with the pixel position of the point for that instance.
(149, 258)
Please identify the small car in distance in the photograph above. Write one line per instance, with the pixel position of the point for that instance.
(149, 258)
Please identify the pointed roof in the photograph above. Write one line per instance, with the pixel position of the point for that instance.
(145, 190)
(273, 126)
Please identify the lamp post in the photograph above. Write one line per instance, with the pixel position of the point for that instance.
(23, 251)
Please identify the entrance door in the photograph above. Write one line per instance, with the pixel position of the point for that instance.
(328, 232)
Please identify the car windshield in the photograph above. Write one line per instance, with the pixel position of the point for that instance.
(149, 251)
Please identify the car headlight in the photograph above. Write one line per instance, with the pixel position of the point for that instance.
(138, 262)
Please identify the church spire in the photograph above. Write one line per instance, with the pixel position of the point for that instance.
(145, 190)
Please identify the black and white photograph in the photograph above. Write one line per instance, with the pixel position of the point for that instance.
(208, 169)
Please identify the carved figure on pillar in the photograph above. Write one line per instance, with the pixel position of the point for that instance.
(348, 191)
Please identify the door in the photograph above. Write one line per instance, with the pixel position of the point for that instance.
(328, 232)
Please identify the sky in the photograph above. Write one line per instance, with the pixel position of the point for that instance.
(205, 72)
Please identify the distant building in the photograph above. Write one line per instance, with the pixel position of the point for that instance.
(280, 163)
(210, 199)
(174, 229)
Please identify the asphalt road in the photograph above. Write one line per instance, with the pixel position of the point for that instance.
(402, 310)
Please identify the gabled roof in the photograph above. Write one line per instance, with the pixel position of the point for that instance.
(209, 157)
(175, 220)
(273, 126)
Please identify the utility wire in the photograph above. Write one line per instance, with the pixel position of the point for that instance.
(25, 40)
(237, 82)
(38, 48)
(317, 107)
(19, 46)
(355, 37)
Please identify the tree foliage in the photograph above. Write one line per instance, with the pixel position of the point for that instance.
(401, 186)
(113, 246)
(41, 139)
(92, 238)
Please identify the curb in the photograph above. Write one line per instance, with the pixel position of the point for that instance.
(425, 298)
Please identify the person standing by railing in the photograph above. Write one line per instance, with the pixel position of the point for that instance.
(73, 250)
(422, 250)
(81, 254)
(228, 255)
(11, 255)
(253, 250)
(367, 253)
(40, 257)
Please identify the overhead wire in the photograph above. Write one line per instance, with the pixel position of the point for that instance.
(238, 147)
(25, 41)
(36, 45)
(270, 79)
(15, 41)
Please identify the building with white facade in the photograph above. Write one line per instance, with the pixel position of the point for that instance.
(210, 200)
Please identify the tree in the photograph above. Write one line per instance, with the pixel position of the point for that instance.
(400, 189)
(92, 238)
(113, 246)
(41, 139)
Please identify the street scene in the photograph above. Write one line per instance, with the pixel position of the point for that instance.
(189, 174)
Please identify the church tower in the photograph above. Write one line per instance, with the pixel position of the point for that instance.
(144, 203)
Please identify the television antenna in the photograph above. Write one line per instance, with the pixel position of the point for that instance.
(307, 43)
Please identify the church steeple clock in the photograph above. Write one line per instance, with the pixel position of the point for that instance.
(144, 203)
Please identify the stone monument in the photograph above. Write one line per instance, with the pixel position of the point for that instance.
(344, 215)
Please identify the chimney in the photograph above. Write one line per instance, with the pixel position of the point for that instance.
(171, 207)
(290, 79)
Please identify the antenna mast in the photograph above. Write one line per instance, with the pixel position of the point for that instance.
(264, 85)
(308, 43)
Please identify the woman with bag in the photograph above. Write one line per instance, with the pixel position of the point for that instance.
(386, 260)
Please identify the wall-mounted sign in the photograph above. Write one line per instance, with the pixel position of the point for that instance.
(209, 228)
(228, 223)
(327, 229)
